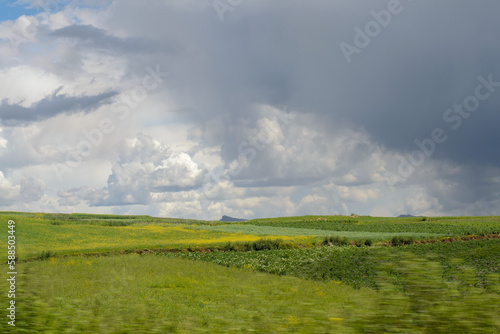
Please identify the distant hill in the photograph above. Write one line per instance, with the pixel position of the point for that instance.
(231, 219)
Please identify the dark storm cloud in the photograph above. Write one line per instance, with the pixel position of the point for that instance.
(477, 193)
(401, 85)
(90, 37)
(270, 182)
(352, 113)
(288, 54)
(398, 88)
(53, 105)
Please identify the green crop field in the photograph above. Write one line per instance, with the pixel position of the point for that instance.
(359, 266)
(82, 273)
(40, 234)
(449, 226)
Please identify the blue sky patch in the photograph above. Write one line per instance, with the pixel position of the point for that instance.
(9, 10)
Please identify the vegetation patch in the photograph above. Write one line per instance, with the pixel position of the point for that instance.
(401, 241)
(311, 274)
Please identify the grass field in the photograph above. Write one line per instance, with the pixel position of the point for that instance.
(74, 234)
(449, 226)
(266, 230)
(75, 275)
(148, 293)
(359, 266)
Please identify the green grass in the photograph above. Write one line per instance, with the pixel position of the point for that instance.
(148, 294)
(140, 294)
(264, 230)
(359, 266)
(65, 234)
(36, 234)
(376, 229)
(267, 286)
(449, 226)
(98, 218)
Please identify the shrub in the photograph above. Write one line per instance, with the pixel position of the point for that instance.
(401, 241)
(336, 241)
(264, 244)
(362, 242)
(358, 243)
(45, 255)
(116, 223)
(229, 247)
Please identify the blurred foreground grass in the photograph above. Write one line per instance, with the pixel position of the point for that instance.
(148, 294)
(160, 294)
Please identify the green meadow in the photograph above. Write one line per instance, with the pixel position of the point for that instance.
(81, 273)
(41, 234)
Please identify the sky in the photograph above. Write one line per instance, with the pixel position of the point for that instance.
(198, 109)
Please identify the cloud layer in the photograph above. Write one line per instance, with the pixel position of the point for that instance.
(255, 109)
